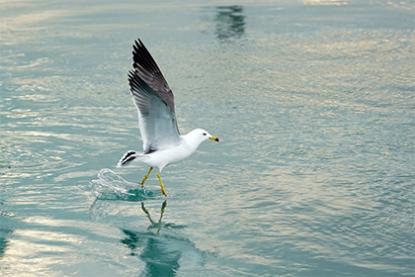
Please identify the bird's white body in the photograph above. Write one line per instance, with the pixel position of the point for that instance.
(187, 146)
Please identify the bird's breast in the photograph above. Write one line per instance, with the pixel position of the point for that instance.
(170, 155)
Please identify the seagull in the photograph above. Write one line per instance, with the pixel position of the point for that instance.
(162, 142)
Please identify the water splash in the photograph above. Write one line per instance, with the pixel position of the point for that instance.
(110, 186)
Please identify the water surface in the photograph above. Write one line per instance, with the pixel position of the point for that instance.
(314, 103)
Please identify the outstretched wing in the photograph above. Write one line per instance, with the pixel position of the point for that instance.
(154, 101)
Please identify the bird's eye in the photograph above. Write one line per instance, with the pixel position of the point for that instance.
(204, 134)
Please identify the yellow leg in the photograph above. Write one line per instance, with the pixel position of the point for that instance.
(162, 187)
(146, 177)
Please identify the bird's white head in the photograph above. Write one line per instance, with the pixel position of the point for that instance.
(197, 136)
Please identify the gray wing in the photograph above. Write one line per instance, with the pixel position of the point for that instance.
(154, 101)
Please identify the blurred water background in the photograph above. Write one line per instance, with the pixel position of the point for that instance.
(313, 100)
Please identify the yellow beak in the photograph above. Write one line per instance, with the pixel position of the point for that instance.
(214, 138)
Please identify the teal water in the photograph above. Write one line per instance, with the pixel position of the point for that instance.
(314, 102)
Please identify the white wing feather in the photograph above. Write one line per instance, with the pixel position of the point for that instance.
(154, 101)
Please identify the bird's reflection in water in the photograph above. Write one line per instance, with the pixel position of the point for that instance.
(155, 225)
(159, 247)
(230, 22)
(5, 231)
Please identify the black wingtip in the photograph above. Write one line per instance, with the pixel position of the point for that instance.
(142, 56)
(138, 46)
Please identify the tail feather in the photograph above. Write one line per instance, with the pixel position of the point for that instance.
(128, 157)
